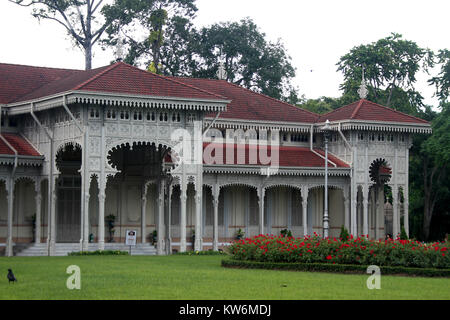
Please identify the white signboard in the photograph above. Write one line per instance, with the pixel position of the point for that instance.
(131, 238)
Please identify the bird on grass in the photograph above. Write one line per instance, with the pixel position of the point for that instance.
(11, 276)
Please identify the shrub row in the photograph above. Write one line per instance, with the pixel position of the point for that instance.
(353, 251)
(334, 268)
(99, 253)
(201, 253)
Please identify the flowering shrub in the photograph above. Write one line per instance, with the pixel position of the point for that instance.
(360, 251)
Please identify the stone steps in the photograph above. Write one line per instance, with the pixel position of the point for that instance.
(63, 249)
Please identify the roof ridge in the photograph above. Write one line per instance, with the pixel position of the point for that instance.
(254, 92)
(396, 111)
(273, 99)
(97, 75)
(168, 78)
(38, 67)
(355, 112)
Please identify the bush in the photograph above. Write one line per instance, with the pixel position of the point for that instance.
(344, 234)
(355, 251)
(286, 233)
(339, 268)
(403, 235)
(99, 253)
(201, 253)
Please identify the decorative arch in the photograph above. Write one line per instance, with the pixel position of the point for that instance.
(238, 184)
(380, 172)
(282, 185)
(169, 155)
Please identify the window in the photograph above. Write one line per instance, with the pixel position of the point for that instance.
(299, 138)
(176, 117)
(163, 117)
(151, 116)
(191, 117)
(94, 114)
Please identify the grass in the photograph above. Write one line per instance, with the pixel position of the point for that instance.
(195, 278)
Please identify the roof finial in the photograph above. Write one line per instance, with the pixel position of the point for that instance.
(222, 73)
(363, 92)
(119, 49)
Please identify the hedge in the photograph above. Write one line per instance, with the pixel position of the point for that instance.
(352, 251)
(200, 253)
(99, 253)
(334, 268)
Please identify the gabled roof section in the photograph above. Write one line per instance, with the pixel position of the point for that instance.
(288, 156)
(121, 78)
(249, 105)
(364, 110)
(21, 145)
(18, 80)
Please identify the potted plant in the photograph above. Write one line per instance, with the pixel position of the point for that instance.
(154, 237)
(286, 233)
(110, 220)
(239, 234)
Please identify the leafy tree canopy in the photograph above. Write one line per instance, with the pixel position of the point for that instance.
(442, 81)
(390, 67)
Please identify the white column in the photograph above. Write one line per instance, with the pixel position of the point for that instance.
(305, 192)
(215, 194)
(9, 232)
(346, 198)
(169, 221)
(160, 232)
(86, 181)
(395, 218)
(261, 195)
(406, 212)
(54, 198)
(38, 199)
(354, 202)
(183, 200)
(198, 218)
(143, 214)
(365, 210)
(101, 216)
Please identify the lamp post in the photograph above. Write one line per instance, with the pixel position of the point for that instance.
(326, 133)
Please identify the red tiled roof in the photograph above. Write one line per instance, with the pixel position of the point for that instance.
(369, 111)
(18, 80)
(22, 146)
(248, 105)
(125, 79)
(289, 156)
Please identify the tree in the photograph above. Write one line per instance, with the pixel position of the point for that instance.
(165, 25)
(322, 105)
(82, 20)
(436, 153)
(249, 59)
(442, 81)
(390, 68)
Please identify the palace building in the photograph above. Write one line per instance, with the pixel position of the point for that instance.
(191, 163)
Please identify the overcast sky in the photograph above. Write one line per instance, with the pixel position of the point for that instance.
(316, 34)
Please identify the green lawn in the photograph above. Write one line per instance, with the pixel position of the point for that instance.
(199, 277)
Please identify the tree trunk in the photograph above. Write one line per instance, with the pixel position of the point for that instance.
(88, 57)
(427, 218)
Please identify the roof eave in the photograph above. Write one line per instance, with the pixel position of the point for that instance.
(108, 98)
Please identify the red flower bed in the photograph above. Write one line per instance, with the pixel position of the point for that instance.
(361, 250)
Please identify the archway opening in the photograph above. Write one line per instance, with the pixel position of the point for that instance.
(68, 188)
